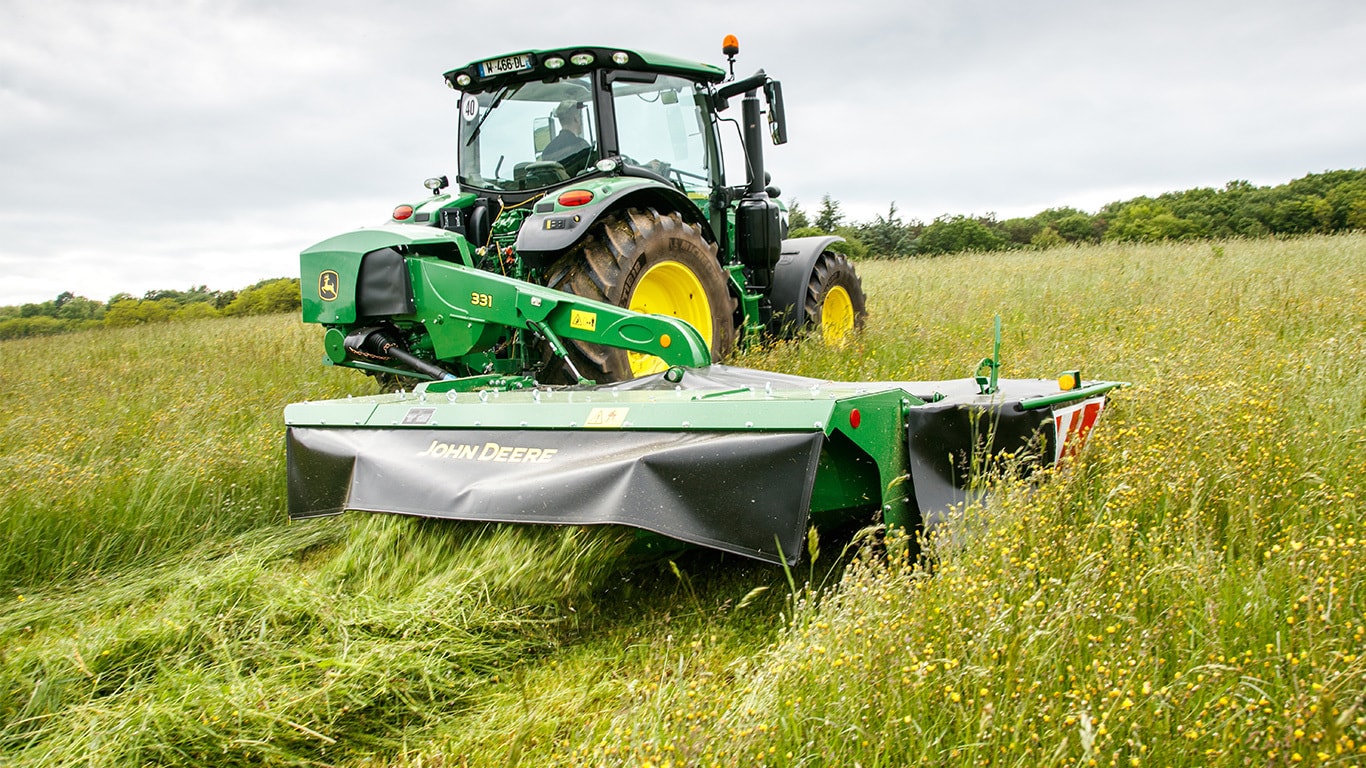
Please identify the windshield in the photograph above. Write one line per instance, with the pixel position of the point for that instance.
(663, 126)
(527, 135)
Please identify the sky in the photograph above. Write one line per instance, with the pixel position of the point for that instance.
(166, 144)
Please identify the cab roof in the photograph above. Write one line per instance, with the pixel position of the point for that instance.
(493, 73)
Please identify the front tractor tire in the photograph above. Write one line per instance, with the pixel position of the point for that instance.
(652, 262)
(835, 305)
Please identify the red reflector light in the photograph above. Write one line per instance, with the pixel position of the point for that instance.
(574, 197)
(403, 212)
(855, 418)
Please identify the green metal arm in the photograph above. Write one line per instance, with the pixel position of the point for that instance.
(466, 309)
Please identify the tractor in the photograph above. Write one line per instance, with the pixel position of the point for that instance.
(596, 172)
(552, 328)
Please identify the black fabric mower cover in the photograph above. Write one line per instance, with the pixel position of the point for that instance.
(943, 438)
(746, 493)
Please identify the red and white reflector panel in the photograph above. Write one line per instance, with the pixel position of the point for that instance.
(1072, 423)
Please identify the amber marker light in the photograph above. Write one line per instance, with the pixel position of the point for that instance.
(664, 340)
(1069, 380)
(574, 197)
(403, 212)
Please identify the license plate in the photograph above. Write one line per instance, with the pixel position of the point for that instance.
(505, 65)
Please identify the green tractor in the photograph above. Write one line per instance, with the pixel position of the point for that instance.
(596, 173)
(556, 321)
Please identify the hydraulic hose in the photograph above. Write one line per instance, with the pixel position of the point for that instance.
(377, 343)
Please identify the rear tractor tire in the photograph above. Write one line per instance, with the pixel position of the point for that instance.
(835, 305)
(646, 261)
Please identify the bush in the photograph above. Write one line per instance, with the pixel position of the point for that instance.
(886, 235)
(1077, 228)
(951, 234)
(1302, 215)
(1148, 222)
(196, 311)
(266, 297)
(1048, 238)
(130, 312)
(23, 327)
(851, 246)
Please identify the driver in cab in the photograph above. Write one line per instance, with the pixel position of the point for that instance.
(568, 148)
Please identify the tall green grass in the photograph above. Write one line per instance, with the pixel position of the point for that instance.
(120, 446)
(1187, 592)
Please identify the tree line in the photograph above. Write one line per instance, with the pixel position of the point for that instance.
(1333, 201)
(68, 312)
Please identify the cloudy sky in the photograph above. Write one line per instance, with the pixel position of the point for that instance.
(150, 144)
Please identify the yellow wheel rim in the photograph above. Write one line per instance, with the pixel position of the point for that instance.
(837, 316)
(669, 288)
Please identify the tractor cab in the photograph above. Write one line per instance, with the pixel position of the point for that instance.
(534, 121)
(648, 126)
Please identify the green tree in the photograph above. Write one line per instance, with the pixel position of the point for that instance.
(1355, 215)
(829, 218)
(951, 234)
(39, 309)
(1349, 205)
(266, 297)
(196, 310)
(40, 325)
(1148, 221)
(1302, 215)
(1077, 228)
(1047, 238)
(1022, 231)
(796, 217)
(886, 235)
(130, 312)
(81, 308)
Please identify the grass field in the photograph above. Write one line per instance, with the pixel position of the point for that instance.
(1190, 592)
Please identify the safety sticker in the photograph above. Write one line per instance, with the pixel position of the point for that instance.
(418, 416)
(584, 321)
(606, 418)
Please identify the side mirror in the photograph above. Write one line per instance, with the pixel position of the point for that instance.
(777, 118)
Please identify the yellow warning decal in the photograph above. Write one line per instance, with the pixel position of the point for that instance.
(584, 321)
(606, 418)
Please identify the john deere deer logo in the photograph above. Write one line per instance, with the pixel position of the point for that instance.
(327, 285)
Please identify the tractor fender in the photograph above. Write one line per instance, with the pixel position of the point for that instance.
(795, 262)
(545, 236)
